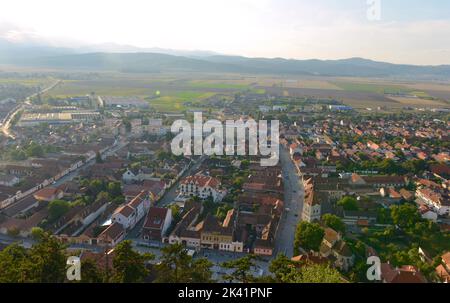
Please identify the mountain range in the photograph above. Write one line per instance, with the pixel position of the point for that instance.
(122, 58)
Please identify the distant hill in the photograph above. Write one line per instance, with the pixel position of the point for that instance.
(201, 61)
(13, 53)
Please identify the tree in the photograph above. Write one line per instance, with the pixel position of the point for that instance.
(37, 233)
(177, 266)
(281, 267)
(102, 196)
(13, 260)
(96, 186)
(405, 215)
(222, 211)
(314, 273)
(334, 222)
(98, 158)
(114, 189)
(18, 155)
(57, 208)
(241, 269)
(415, 166)
(308, 236)
(90, 272)
(348, 203)
(287, 271)
(47, 261)
(129, 266)
(34, 150)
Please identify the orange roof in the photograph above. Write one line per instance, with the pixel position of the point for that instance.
(137, 200)
(446, 259)
(114, 231)
(46, 193)
(404, 274)
(125, 210)
(202, 181)
(442, 272)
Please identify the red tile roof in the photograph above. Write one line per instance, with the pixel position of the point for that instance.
(155, 217)
(404, 274)
(201, 181)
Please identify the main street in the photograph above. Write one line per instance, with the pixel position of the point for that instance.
(293, 203)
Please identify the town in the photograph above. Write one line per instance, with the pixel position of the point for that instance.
(97, 173)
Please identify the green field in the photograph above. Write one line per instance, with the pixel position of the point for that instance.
(176, 101)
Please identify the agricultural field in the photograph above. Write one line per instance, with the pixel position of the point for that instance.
(175, 93)
(178, 92)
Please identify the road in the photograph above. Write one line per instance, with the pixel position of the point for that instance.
(293, 203)
(172, 193)
(6, 125)
(168, 197)
(72, 175)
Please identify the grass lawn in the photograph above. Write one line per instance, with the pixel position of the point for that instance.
(176, 102)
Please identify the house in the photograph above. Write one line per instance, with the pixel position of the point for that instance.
(104, 260)
(112, 235)
(404, 274)
(48, 194)
(214, 235)
(23, 226)
(131, 213)
(335, 249)
(21, 207)
(203, 187)
(440, 170)
(310, 258)
(125, 215)
(443, 269)
(265, 242)
(130, 176)
(311, 207)
(187, 232)
(435, 200)
(156, 224)
(427, 213)
(406, 194)
(377, 182)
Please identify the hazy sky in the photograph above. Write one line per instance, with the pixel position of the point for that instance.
(410, 31)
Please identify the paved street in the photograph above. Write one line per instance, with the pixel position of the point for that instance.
(171, 194)
(293, 197)
(168, 197)
(6, 123)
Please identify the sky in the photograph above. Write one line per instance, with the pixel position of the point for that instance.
(407, 31)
